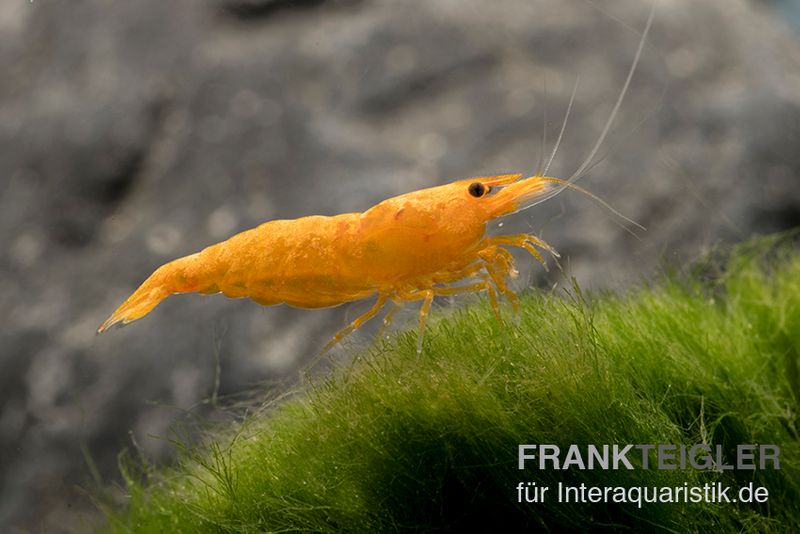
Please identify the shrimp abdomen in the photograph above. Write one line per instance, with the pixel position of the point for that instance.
(305, 262)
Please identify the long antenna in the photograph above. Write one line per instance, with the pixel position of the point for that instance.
(622, 94)
(607, 127)
(544, 130)
(563, 127)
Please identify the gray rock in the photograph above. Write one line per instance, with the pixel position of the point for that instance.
(137, 132)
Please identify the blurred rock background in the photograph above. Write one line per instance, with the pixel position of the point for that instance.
(136, 132)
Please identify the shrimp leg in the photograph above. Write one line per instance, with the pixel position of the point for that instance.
(484, 285)
(526, 241)
(389, 317)
(357, 322)
(426, 295)
(423, 317)
(499, 263)
(492, 296)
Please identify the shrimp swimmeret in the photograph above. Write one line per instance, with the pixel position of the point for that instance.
(415, 246)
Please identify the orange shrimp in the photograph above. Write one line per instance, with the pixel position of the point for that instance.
(412, 247)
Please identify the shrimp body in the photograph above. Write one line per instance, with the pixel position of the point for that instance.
(410, 247)
(415, 246)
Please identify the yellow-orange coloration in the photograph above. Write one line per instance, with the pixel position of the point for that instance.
(416, 246)
(411, 247)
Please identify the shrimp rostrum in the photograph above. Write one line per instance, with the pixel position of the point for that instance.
(413, 247)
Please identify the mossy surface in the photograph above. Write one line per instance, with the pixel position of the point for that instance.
(392, 440)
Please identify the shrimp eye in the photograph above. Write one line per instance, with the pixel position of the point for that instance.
(477, 189)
